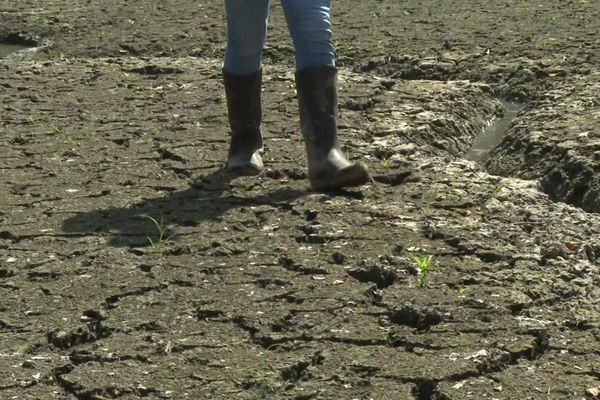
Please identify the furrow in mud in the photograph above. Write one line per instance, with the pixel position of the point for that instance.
(556, 140)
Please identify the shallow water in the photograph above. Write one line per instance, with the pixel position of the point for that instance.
(7, 48)
(493, 134)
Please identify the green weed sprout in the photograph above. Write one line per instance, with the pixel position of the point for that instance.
(262, 380)
(386, 163)
(126, 79)
(163, 238)
(56, 129)
(265, 382)
(424, 267)
(274, 347)
(495, 192)
(499, 187)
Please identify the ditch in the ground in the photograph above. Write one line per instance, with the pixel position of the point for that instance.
(494, 132)
(16, 42)
(9, 48)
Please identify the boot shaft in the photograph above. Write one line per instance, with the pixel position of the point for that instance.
(317, 100)
(245, 116)
(328, 167)
(243, 100)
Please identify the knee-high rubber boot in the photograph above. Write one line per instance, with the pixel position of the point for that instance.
(245, 116)
(328, 168)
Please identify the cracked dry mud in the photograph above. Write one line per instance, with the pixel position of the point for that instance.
(268, 290)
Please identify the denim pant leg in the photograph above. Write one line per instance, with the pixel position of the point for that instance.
(309, 23)
(247, 22)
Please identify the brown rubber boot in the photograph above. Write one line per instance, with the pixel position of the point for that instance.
(245, 117)
(328, 168)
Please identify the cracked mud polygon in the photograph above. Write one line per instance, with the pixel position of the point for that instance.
(261, 288)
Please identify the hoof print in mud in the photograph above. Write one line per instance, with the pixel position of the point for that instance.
(416, 317)
(379, 274)
(81, 335)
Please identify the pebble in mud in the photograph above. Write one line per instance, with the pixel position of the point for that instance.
(28, 364)
(339, 258)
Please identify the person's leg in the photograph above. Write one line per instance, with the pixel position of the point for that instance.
(247, 22)
(242, 77)
(316, 83)
(309, 23)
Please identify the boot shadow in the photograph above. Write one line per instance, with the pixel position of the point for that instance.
(203, 200)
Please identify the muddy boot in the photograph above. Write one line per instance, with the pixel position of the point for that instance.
(244, 110)
(328, 168)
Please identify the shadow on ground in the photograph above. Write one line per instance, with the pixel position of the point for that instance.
(205, 199)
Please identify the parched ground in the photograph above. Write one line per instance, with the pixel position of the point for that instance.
(261, 288)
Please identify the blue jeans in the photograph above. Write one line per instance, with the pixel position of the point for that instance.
(309, 24)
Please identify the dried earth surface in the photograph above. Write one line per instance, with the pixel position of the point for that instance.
(261, 288)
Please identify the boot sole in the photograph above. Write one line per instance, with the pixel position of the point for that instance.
(356, 175)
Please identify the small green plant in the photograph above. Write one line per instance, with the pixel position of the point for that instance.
(126, 79)
(386, 163)
(424, 267)
(499, 187)
(336, 44)
(164, 239)
(56, 130)
(547, 41)
(264, 382)
(101, 38)
(495, 192)
(273, 347)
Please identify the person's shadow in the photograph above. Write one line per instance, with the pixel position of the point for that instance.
(203, 200)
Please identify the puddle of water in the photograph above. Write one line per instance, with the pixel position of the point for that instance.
(493, 134)
(7, 48)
